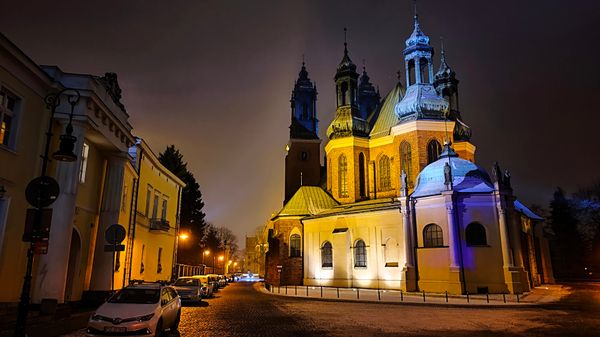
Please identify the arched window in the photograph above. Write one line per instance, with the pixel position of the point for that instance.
(344, 93)
(361, 175)
(406, 161)
(360, 254)
(433, 151)
(295, 244)
(411, 73)
(424, 68)
(433, 236)
(326, 255)
(391, 253)
(475, 234)
(343, 176)
(384, 173)
(304, 111)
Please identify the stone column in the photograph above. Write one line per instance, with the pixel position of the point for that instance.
(455, 279)
(102, 268)
(409, 279)
(417, 70)
(51, 273)
(504, 238)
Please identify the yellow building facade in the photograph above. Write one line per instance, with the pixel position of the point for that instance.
(97, 190)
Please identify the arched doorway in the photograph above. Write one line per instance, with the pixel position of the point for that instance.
(73, 271)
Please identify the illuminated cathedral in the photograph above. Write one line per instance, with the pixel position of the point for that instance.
(400, 202)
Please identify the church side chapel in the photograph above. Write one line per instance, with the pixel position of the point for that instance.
(400, 202)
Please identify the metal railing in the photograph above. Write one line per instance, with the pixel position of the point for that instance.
(188, 270)
(392, 295)
(159, 224)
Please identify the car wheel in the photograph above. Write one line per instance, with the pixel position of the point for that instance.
(159, 329)
(177, 319)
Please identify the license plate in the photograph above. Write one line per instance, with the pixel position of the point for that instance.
(115, 329)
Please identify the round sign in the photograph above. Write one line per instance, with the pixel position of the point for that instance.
(115, 234)
(42, 191)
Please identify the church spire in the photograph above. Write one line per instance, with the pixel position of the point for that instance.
(347, 121)
(304, 109)
(368, 96)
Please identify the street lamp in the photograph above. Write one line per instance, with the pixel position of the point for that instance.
(221, 258)
(205, 253)
(184, 236)
(65, 153)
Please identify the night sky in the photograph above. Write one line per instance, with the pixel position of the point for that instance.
(215, 78)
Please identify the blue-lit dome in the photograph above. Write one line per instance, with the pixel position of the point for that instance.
(466, 176)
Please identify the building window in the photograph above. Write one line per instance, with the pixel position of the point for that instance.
(433, 236)
(143, 255)
(343, 176)
(326, 255)
(155, 207)
(159, 264)
(124, 199)
(3, 217)
(361, 175)
(424, 70)
(9, 104)
(433, 151)
(406, 161)
(411, 73)
(148, 198)
(384, 173)
(475, 234)
(84, 161)
(360, 254)
(391, 253)
(295, 244)
(304, 111)
(164, 209)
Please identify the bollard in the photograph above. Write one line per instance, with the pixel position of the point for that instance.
(286, 289)
(378, 294)
(446, 296)
(518, 298)
(504, 297)
(279, 289)
(338, 292)
(423, 295)
(321, 291)
(401, 296)
(306, 291)
(358, 293)
(296, 290)
(467, 297)
(487, 297)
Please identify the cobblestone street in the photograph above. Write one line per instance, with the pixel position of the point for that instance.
(240, 310)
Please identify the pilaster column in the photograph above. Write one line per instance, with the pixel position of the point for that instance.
(417, 70)
(504, 238)
(102, 268)
(51, 273)
(409, 252)
(453, 241)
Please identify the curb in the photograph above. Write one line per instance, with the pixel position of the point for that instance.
(260, 287)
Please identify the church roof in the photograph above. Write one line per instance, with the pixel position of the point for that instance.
(308, 200)
(466, 176)
(359, 207)
(383, 119)
(526, 211)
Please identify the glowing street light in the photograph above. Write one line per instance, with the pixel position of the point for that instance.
(184, 236)
(205, 253)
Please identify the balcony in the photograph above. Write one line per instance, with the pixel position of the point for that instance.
(159, 224)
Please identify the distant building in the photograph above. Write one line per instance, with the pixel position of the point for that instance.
(254, 256)
(98, 190)
(403, 206)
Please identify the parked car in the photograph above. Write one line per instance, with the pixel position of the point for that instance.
(207, 286)
(189, 288)
(214, 279)
(139, 309)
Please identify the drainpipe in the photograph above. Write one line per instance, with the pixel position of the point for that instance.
(134, 210)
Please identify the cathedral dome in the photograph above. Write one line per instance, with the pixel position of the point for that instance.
(466, 176)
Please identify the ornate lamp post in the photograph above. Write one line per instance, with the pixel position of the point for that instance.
(42, 191)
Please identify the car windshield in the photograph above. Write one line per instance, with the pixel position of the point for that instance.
(186, 282)
(136, 296)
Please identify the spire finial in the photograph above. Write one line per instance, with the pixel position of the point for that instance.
(303, 59)
(364, 66)
(345, 41)
(416, 13)
(442, 43)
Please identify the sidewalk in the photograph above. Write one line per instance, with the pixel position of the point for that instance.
(537, 296)
(49, 325)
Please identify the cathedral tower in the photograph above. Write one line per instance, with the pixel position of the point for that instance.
(368, 97)
(302, 162)
(348, 120)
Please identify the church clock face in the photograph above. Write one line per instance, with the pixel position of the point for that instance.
(304, 156)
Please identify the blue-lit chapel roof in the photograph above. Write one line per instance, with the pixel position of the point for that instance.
(466, 176)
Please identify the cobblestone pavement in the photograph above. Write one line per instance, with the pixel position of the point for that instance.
(240, 310)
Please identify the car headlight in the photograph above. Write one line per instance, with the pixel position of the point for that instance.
(96, 317)
(146, 317)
